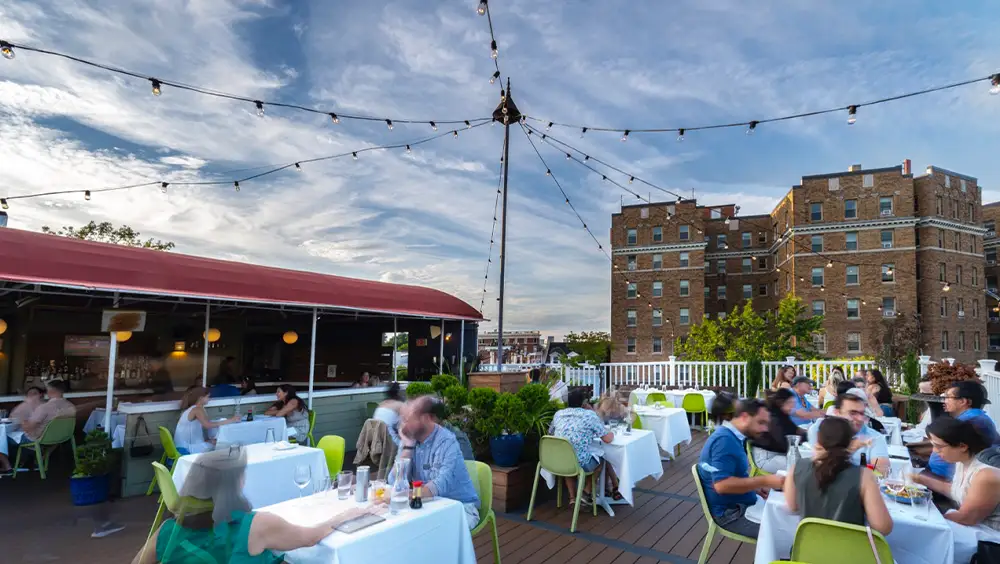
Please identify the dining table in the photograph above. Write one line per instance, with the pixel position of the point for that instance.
(668, 424)
(251, 432)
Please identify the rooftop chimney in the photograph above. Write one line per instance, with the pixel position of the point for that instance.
(906, 166)
(854, 168)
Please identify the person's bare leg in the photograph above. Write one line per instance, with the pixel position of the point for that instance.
(612, 477)
(4, 463)
(586, 484)
(571, 486)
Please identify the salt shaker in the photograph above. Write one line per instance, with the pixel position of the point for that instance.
(361, 484)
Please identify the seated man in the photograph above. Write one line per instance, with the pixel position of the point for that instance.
(964, 401)
(867, 441)
(803, 412)
(725, 471)
(436, 458)
(57, 406)
(580, 426)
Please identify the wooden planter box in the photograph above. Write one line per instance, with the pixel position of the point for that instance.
(501, 382)
(512, 486)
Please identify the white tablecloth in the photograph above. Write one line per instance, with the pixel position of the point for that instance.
(13, 432)
(900, 466)
(894, 426)
(633, 458)
(436, 533)
(669, 426)
(118, 437)
(677, 396)
(251, 432)
(97, 419)
(270, 473)
(912, 541)
(3, 437)
(639, 395)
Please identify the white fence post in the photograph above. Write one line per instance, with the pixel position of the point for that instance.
(672, 368)
(925, 362)
(951, 361)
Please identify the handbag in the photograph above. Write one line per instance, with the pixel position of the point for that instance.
(986, 553)
(871, 543)
(141, 450)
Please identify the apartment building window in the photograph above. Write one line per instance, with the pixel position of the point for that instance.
(708, 292)
(975, 309)
(633, 237)
(747, 266)
(972, 243)
(657, 317)
(885, 206)
(940, 238)
(630, 345)
(762, 289)
(853, 308)
(762, 238)
(720, 241)
(747, 240)
(658, 289)
(833, 184)
(762, 263)
(684, 259)
(816, 211)
(942, 271)
(991, 255)
(684, 232)
(889, 307)
(887, 239)
(975, 342)
(819, 342)
(818, 276)
(720, 266)
(632, 291)
(851, 240)
(685, 316)
(954, 209)
(631, 318)
(868, 181)
(722, 315)
(972, 213)
(748, 291)
(685, 288)
(944, 341)
(957, 239)
(818, 308)
(853, 275)
(854, 343)
(947, 181)
(657, 345)
(944, 307)
(816, 243)
(850, 209)
(964, 185)
(940, 205)
(657, 262)
(888, 273)
(708, 267)
(657, 234)
(958, 274)
(721, 292)
(916, 237)
(632, 262)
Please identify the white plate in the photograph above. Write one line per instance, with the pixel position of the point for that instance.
(284, 445)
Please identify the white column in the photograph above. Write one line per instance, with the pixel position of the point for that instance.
(987, 366)
(441, 357)
(672, 360)
(312, 358)
(109, 401)
(925, 362)
(394, 371)
(204, 359)
(461, 353)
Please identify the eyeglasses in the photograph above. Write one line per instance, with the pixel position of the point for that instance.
(947, 396)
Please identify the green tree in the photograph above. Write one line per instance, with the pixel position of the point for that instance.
(590, 346)
(794, 330)
(105, 232)
(704, 342)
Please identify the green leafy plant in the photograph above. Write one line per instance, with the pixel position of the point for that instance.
(755, 376)
(911, 373)
(94, 456)
(417, 389)
(539, 408)
(441, 382)
(455, 398)
(507, 417)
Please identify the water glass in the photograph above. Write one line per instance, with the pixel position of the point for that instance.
(921, 504)
(302, 477)
(4, 414)
(344, 481)
(269, 436)
(322, 485)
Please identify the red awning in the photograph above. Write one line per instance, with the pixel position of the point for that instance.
(26, 256)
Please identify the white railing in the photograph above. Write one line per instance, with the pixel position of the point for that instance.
(592, 376)
(991, 379)
(816, 370)
(509, 367)
(676, 373)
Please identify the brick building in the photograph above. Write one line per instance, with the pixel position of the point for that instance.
(991, 215)
(520, 347)
(862, 247)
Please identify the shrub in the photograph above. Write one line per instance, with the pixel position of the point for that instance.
(482, 401)
(94, 457)
(442, 382)
(417, 389)
(455, 398)
(507, 417)
(538, 407)
(942, 375)
(911, 373)
(755, 377)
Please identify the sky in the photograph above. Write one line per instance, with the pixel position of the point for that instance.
(426, 217)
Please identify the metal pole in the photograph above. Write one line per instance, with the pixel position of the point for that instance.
(394, 332)
(204, 360)
(503, 226)
(112, 355)
(441, 357)
(461, 353)
(312, 358)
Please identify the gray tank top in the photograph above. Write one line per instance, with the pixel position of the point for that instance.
(840, 502)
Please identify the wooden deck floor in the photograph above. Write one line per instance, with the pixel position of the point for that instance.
(666, 524)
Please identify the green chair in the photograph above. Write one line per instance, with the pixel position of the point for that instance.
(822, 541)
(171, 501)
(58, 431)
(170, 453)
(370, 408)
(333, 447)
(482, 477)
(712, 526)
(828, 405)
(312, 425)
(636, 422)
(654, 397)
(695, 404)
(754, 469)
(558, 457)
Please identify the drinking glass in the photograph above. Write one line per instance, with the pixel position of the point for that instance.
(921, 504)
(302, 477)
(269, 436)
(344, 480)
(322, 485)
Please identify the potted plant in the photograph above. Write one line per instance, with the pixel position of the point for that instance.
(505, 426)
(539, 408)
(89, 484)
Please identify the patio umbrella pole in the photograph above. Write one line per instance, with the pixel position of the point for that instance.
(108, 402)
(312, 358)
(441, 357)
(505, 113)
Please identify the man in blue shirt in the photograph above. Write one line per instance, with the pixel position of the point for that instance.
(965, 401)
(725, 470)
(436, 458)
(803, 412)
(851, 406)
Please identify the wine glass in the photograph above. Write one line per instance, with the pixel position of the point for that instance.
(302, 477)
(269, 436)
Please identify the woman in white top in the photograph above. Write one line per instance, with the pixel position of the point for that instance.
(190, 432)
(388, 411)
(828, 392)
(975, 487)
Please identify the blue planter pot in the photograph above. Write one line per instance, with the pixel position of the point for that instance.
(89, 490)
(506, 449)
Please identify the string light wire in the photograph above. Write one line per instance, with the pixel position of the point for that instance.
(493, 232)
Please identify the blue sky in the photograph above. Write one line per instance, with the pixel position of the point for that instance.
(426, 218)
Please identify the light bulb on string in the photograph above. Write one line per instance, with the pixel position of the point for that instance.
(298, 167)
(468, 125)
(334, 118)
(493, 49)
(86, 195)
(994, 80)
(680, 134)
(8, 51)
(408, 150)
(568, 156)
(163, 187)
(454, 134)
(586, 158)
(3, 204)
(355, 155)
(583, 132)
(829, 264)
(727, 220)
(434, 126)
(156, 86)
(388, 123)
(236, 184)
(631, 179)
(852, 114)
(481, 10)
(947, 287)
(495, 76)
(548, 172)
(260, 108)
(549, 126)
(751, 127)
(625, 136)
(822, 288)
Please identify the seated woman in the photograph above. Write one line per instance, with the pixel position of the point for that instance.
(580, 426)
(828, 392)
(975, 486)
(364, 381)
(830, 487)
(388, 411)
(232, 532)
(783, 379)
(189, 435)
(769, 449)
(610, 409)
(247, 386)
(292, 408)
(877, 386)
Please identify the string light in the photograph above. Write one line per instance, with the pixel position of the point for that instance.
(568, 156)
(752, 126)
(163, 187)
(852, 114)
(467, 124)
(947, 287)
(3, 204)
(156, 86)
(355, 155)
(298, 167)
(86, 195)
(625, 136)
(408, 151)
(548, 127)
(994, 80)
(493, 48)
(334, 118)
(631, 179)
(495, 76)
(236, 184)
(727, 220)
(583, 132)
(434, 126)
(8, 52)
(260, 108)
(829, 264)
(481, 10)
(388, 123)
(454, 134)
(548, 172)
(680, 135)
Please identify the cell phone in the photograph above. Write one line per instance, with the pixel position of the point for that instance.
(358, 523)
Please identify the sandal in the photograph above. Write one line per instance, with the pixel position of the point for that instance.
(617, 495)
